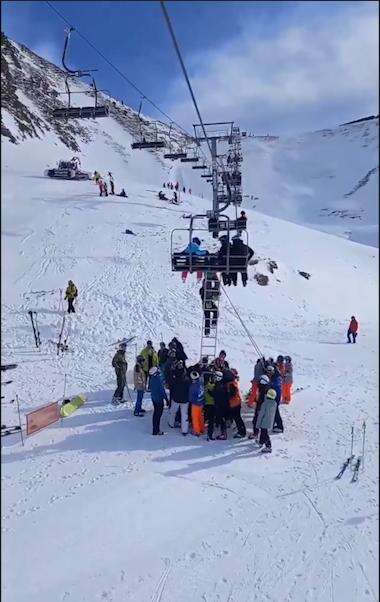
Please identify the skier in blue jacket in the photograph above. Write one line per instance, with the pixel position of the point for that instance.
(276, 384)
(194, 248)
(158, 395)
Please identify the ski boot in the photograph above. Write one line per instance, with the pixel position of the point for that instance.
(222, 437)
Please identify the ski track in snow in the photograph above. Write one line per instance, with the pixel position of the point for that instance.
(181, 519)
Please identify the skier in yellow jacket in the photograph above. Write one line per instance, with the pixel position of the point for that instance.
(71, 294)
(150, 359)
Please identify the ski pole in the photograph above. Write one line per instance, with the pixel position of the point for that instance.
(363, 445)
(64, 387)
(19, 420)
(352, 440)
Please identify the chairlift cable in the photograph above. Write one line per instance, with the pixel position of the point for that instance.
(54, 9)
(254, 344)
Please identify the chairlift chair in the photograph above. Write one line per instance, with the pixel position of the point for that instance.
(70, 112)
(143, 143)
(211, 262)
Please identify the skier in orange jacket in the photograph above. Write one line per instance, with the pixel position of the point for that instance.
(352, 330)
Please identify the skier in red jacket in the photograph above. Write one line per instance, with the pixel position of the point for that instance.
(352, 330)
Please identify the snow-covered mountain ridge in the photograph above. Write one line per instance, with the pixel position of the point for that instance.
(326, 180)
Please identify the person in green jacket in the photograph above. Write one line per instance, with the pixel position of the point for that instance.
(120, 365)
(209, 408)
(150, 359)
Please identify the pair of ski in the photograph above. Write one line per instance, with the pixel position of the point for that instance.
(124, 341)
(350, 461)
(9, 430)
(36, 332)
(346, 464)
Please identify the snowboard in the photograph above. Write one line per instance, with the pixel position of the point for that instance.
(69, 408)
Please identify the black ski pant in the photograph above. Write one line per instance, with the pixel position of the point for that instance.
(233, 277)
(244, 278)
(121, 382)
(70, 308)
(112, 188)
(226, 279)
(210, 319)
(210, 417)
(278, 420)
(235, 414)
(265, 439)
(158, 408)
(354, 334)
(255, 417)
(220, 419)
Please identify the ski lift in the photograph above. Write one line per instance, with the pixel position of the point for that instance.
(193, 159)
(219, 261)
(174, 155)
(70, 112)
(156, 143)
(206, 175)
(199, 167)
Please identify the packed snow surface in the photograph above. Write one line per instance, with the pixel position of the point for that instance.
(94, 507)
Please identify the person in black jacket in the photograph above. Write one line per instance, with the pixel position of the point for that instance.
(180, 353)
(222, 258)
(180, 397)
(240, 256)
(163, 354)
(220, 394)
(209, 308)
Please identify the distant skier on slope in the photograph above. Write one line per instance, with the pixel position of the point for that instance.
(162, 196)
(96, 177)
(352, 330)
(112, 183)
(120, 365)
(70, 295)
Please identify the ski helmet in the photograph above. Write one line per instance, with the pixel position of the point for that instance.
(194, 375)
(288, 359)
(264, 380)
(222, 353)
(271, 394)
(280, 358)
(196, 240)
(123, 346)
(269, 368)
(149, 343)
(218, 375)
(153, 370)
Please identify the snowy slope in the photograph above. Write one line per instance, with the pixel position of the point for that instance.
(94, 508)
(328, 180)
(105, 511)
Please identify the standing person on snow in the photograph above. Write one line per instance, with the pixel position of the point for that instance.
(112, 183)
(180, 397)
(222, 407)
(266, 418)
(70, 295)
(120, 365)
(287, 380)
(139, 381)
(180, 352)
(105, 188)
(257, 374)
(276, 384)
(150, 359)
(234, 400)
(162, 355)
(197, 400)
(280, 364)
(158, 394)
(96, 177)
(176, 186)
(194, 248)
(210, 406)
(101, 184)
(352, 330)
(263, 386)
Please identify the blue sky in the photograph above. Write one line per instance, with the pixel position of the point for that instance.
(278, 67)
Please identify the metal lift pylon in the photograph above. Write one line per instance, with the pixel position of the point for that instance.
(210, 305)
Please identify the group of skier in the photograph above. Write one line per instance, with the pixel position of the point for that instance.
(103, 186)
(205, 395)
(175, 186)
